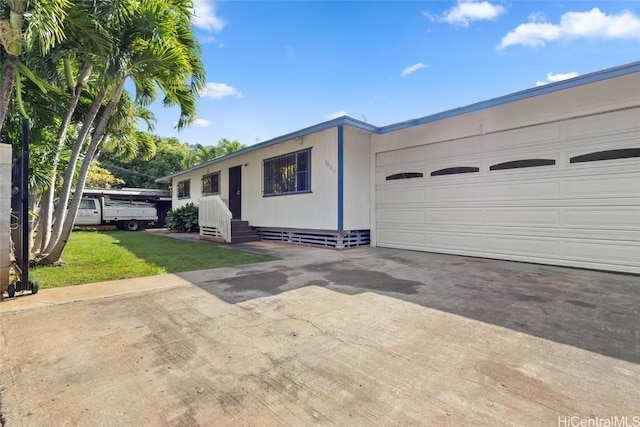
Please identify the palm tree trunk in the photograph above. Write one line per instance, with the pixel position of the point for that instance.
(65, 191)
(54, 255)
(46, 204)
(8, 81)
(14, 50)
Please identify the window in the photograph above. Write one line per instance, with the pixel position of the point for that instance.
(624, 153)
(287, 174)
(184, 189)
(456, 170)
(405, 175)
(211, 183)
(87, 204)
(517, 164)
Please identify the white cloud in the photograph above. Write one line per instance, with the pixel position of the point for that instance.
(573, 25)
(466, 11)
(205, 16)
(201, 123)
(220, 90)
(337, 114)
(212, 40)
(413, 69)
(537, 17)
(557, 77)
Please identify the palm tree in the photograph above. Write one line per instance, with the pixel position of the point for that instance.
(156, 49)
(86, 41)
(227, 147)
(42, 28)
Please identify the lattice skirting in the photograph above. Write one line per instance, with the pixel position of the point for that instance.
(322, 238)
(210, 231)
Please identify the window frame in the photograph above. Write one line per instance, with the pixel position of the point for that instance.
(299, 179)
(210, 193)
(455, 170)
(522, 164)
(604, 155)
(188, 192)
(404, 175)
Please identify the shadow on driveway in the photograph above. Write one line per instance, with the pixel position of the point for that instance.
(595, 311)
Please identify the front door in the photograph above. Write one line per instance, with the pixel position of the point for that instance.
(235, 188)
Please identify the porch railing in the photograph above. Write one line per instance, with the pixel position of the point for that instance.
(214, 218)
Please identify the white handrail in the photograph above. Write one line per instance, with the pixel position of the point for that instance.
(214, 218)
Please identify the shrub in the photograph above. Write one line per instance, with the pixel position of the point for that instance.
(184, 219)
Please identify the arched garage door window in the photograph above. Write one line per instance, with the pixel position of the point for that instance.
(624, 153)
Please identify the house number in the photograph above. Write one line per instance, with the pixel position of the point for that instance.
(330, 166)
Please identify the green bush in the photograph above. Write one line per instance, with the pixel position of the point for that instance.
(184, 219)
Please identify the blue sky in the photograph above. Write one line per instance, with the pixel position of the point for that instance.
(276, 67)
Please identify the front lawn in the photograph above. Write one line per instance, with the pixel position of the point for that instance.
(96, 256)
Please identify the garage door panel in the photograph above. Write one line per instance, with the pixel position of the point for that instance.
(451, 193)
(402, 237)
(401, 196)
(455, 241)
(523, 246)
(604, 252)
(563, 233)
(455, 216)
(604, 186)
(625, 218)
(523, 190)
(523, 217)
(402, 216)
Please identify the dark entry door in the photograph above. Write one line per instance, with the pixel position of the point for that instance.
(235, 187)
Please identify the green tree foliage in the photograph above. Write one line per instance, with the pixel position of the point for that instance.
(139, 172)
(171, 156)
(100, 177)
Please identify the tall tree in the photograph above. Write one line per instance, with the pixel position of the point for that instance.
(156, 49)
(73, 60)
(141, 171)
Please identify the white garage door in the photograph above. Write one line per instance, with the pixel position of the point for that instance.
(564, 193)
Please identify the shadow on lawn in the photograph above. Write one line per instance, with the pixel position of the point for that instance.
(179, 255)
(592, 310)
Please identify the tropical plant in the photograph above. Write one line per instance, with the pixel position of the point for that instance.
(183, 219)
(25, 25)
(226, 146)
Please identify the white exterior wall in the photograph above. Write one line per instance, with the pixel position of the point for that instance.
(605, 95)
(5, 211)
(357, 170)
(316, 210)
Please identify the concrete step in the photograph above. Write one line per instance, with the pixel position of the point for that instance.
(243, 233)
(244, 239)
(241, 228)
(235, 223)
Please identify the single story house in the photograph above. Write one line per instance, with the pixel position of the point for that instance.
(547, 175)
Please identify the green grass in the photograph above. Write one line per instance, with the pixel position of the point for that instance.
(95, 256)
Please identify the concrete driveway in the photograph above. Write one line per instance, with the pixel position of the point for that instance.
(359, 338)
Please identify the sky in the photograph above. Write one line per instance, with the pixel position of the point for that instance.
(275, 67)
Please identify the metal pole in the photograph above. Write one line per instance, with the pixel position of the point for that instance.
(24, 207)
